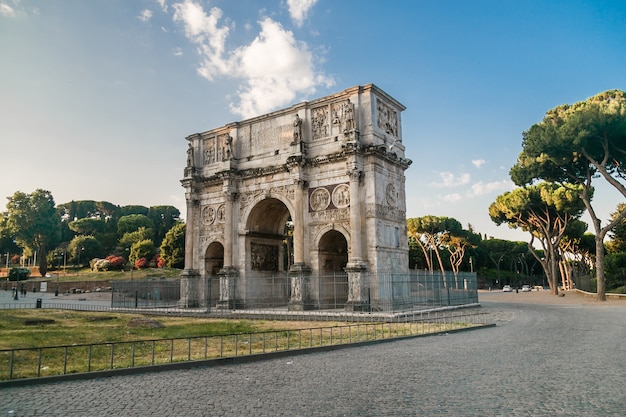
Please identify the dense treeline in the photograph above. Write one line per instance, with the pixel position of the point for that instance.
(35, 231)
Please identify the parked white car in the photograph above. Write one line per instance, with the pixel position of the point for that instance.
(507, 288)
(525, 288)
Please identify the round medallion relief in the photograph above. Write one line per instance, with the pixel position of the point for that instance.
(220, 214)
(341, 196)
(208, 215)
(320, 199)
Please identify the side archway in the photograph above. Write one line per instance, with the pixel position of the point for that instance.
(213, 263)
(333, 280)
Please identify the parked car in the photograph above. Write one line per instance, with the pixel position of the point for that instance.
(525, 288)
(507, 288)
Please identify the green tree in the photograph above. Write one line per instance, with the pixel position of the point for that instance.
(31, 219)
(456, 243)
(128, 210)
(428, 232)
(569, 247)
(82, 249)
(544, 210)
(173, 247)
(618, 233)
(132, 223)
(142, 249)
(130, 238)
(163, 218)
(616, 271)
(87, 226)
(572, 146)
(497, 251)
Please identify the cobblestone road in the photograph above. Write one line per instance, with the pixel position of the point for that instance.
(555, 359)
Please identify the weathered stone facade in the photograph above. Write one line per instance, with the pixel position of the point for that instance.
(314, 189)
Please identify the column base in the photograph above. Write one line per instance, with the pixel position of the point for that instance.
(189, 289)
(357, 306)
(299, 274)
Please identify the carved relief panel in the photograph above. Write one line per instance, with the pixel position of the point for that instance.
(343, 116)
(319, 122)
(329, 197)
(263, 257)
(387, 118)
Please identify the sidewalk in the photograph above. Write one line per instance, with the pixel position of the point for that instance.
(92, 299)
(545, 297)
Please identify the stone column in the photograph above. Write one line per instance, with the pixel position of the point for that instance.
(300, 272)
(356, 251)
(228, 274)
(358, 299)
(228, 228)
(298, 221)
(189, 238)
(189, 277)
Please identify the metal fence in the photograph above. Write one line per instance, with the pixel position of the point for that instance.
(83, 358)
(145, 293)
(383, 292)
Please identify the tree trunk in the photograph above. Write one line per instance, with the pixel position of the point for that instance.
(601, 287)
(43, 263)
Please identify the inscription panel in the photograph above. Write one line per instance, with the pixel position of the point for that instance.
(264, 136)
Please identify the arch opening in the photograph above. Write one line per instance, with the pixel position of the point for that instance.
(333, 280)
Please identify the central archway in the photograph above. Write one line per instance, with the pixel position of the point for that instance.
(268, 254)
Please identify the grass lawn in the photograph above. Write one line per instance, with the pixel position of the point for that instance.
(37, 328)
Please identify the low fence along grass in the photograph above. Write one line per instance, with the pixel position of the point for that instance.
(251, 338)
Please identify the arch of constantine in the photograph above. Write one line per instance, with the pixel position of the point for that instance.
(298, 206)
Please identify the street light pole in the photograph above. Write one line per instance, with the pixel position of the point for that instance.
(56, 292)
(7, 271)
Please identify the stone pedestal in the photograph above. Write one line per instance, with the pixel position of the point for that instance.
(228, 276)
(358, 296)
(189, 288)
(300, 277)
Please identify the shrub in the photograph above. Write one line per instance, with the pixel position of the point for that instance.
(100, 265)
(141, 263)
(116, 262)
(18, 273)
(160, 262)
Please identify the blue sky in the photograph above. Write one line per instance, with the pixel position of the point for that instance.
(96, 97)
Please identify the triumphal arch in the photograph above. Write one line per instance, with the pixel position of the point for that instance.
(311, 193)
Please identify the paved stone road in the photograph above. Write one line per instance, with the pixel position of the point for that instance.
(560, 358)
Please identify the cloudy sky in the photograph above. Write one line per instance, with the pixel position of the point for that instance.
(96, 97)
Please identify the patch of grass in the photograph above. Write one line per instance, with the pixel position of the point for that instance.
(73, 341)
(75, 327)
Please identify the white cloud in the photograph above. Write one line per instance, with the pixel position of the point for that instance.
(452, 198)
(274, 68)
(162, 4)
(203, 29)
(145, 15)
(481, 188)
(298, 9)
(6, 10)
(178, 51)
(448, 180)
(478, 162)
